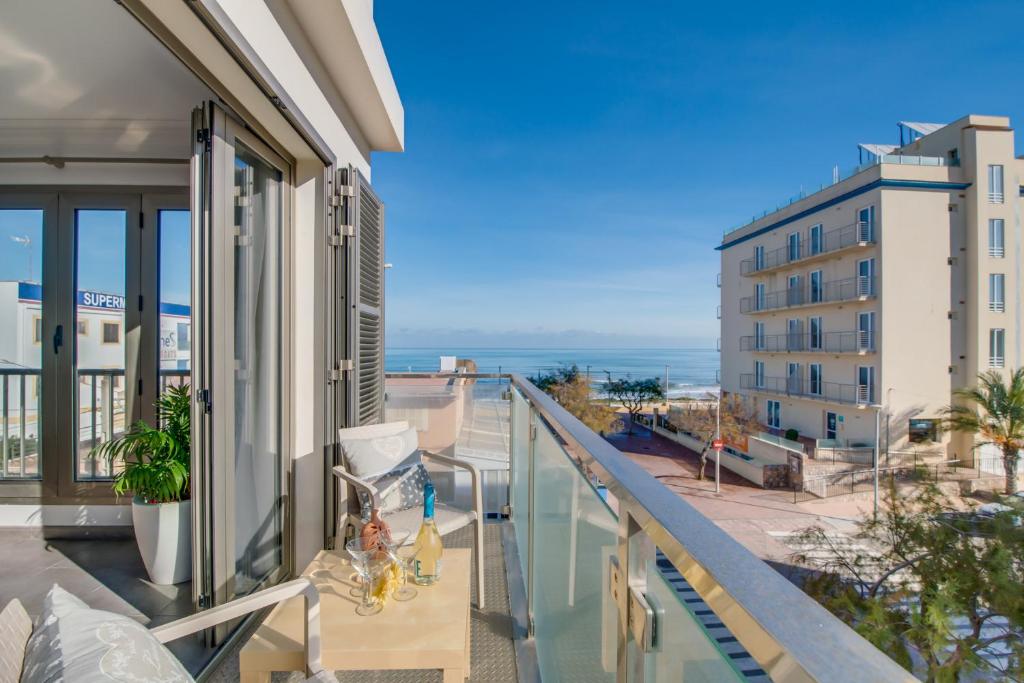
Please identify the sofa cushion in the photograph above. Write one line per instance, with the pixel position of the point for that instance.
(370, 458)
(15, 629)
(73, 643)
(402, 489)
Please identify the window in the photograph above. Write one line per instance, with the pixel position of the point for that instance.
(814, 326)
(83, 328)
(996, 292)
(759, 257)
(866, 277)
(793, 294)
(814, 371)
(774, 414)
(794, 334)
(996, 348)
(759, 297)
(794, 246)
(865, 384)
(995, 184)
(953, 157)
(759, 336)
(923, 431)
(183, 344)
(37, 330)
(996, 238)
(815, 239)
(817, 291)
(793, 378)
(759, 374)
(111, 333)
(866, 224)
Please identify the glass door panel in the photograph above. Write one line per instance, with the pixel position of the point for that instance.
(257, 495)
(175, 263)
(101, 401)
(21, 342)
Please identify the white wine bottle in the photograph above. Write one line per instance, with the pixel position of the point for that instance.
(428, 549)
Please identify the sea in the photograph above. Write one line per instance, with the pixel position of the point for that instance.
(691, 372)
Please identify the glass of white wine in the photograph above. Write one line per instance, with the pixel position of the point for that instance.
(362, 551)
(395, 542)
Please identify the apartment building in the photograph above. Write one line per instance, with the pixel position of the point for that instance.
(863, 306)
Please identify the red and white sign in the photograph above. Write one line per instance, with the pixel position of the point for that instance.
(718, 444)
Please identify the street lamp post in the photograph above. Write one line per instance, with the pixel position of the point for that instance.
(718, 437)
(878, 431)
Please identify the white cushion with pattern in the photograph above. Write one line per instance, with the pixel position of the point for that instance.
(72, 643)
(369, 458)
(447, 519)
(15, 630)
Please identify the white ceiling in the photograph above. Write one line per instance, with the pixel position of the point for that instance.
(84, 78)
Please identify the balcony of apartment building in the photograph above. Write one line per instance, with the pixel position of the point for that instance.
(810, 388)
(805, 293)
(816, 246)
(854, 342)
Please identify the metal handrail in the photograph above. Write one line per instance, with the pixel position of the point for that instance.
(835, 392)
(849, 289)
(789, 634)
(858, 233)
(853, 341)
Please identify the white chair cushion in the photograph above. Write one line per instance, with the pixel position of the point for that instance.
(371, 431)
(75, 644)
(373, 457)
(15, 629)
(446, 517)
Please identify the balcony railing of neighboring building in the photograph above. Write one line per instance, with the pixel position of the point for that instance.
(861, 233)
(995, 198)
(860, 287)
(898, 159)
(802, 387)
(100, 414)
(855, 341)
(997, 306)
(593, 536)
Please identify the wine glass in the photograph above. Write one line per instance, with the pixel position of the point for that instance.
(362, 551)
(393, 543)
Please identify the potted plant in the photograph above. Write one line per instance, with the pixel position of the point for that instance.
(156, 463)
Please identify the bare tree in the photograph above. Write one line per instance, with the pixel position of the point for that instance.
(739, 418)
(633, 394)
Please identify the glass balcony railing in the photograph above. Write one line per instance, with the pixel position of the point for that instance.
(854, 341)
(811, 293)
(860, 234)
(612, 576)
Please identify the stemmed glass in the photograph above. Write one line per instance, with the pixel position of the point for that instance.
(393, 543)
(362, 551)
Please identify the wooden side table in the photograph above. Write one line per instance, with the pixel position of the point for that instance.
(431, 631)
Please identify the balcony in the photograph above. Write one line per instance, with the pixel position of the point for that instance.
(604, 563)
(859, 288)
(854, 342)
(860, 234)
(798, 387)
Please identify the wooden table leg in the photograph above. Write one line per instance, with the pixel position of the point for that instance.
(254, 677)
(454, 676)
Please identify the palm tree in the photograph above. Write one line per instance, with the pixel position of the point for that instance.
(993, 411)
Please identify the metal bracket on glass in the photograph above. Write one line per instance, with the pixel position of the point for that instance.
(633, 604)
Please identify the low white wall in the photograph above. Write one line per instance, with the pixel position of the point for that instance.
(39, 516)
(751, 471)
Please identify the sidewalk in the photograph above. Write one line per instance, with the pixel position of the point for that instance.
(758, 519)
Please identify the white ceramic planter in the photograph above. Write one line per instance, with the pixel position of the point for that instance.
(164, 534)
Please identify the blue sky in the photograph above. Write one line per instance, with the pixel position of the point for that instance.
(570, 166)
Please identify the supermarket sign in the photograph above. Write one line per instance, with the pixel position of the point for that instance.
(30, 291)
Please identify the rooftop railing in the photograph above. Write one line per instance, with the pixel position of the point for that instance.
(897, 159)
(799, 386)
(605, 562)
(855, 341)
(861, 233)
(810, 293)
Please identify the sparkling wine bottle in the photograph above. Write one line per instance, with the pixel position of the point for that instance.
(428, 548)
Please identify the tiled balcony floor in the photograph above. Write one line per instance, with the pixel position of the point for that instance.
(494, 659)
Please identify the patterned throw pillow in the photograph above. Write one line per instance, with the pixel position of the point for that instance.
(403, 489)
(72, 643)
(375, 457)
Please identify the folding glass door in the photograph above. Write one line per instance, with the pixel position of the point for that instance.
(240, 204)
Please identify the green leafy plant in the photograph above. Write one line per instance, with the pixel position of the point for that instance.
(156, 460)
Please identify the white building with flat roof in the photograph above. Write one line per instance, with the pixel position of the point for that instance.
(882, 293)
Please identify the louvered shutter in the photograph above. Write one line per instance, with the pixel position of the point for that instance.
(367, 323)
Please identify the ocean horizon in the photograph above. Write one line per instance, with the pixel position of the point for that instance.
(691, 372)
